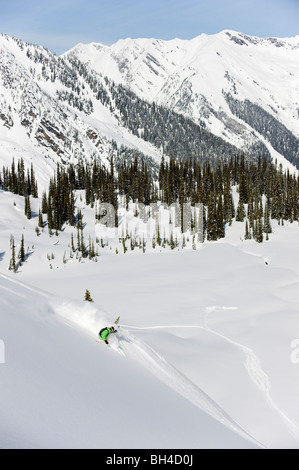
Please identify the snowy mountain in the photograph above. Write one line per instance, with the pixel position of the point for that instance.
(206, 354)
(49, 113)
(209, 98)
(243, 89)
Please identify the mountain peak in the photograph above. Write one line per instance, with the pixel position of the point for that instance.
(226, 84)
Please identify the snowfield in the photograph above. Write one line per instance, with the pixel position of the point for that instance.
(207, 355)
(190, 76)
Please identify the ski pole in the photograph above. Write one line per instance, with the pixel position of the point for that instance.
(121, 340)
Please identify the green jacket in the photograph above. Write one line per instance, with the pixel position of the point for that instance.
(105, 332)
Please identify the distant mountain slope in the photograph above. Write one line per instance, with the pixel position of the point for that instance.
(49, 113)
(208, 98)
(202, 77)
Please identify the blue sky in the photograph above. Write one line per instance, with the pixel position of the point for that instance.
(61, 24)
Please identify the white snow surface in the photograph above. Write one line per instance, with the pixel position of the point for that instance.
(203, 355)
(190, 76)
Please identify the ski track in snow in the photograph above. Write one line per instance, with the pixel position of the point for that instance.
(161, 368)
(177, 380)
(173, 378)
(257, 375)
(25, 286)
(7, 289)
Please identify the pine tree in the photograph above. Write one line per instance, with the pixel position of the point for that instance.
(79, 223)
(228, 205)
(258, 234)
(33, 188)
(72, 243)
(87, 297)
(250, 211)
(44, 208)
(91, 250)
(40, 219)
(220, 219)
(22, 255)
(181, 202)
(267, 222)
(71, 209)
(211, 228)
(12, 262)
(27, 207)
(82, 245)
(247, 231)
(240, 214)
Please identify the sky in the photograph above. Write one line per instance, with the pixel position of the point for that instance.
(61, 24)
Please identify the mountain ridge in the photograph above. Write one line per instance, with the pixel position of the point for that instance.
(75, 106)
(193, 77)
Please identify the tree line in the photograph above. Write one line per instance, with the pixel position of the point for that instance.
(18, 180)
(264, 191)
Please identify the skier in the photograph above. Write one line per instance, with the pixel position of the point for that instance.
(105, 332)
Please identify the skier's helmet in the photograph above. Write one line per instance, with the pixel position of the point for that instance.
(112, 328)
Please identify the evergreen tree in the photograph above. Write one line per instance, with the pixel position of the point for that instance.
(27, 207)
(258, 234)
(44, 208)
(40, 219)
(220, 219)
(247, 231)
(240, 214)
(211, 229)
(87, 297)
(22, 255)
(12, 262)
(267, 222)
(72, 243)
(82, 245)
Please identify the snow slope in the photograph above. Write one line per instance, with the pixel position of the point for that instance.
(151, 67)
(60, 388)
(207, 337)
(38, 125)
(189, 76)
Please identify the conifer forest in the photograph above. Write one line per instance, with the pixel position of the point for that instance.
(264, 192)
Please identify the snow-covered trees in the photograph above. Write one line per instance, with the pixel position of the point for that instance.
(281, 138)
(232, 190)
(19, 181)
